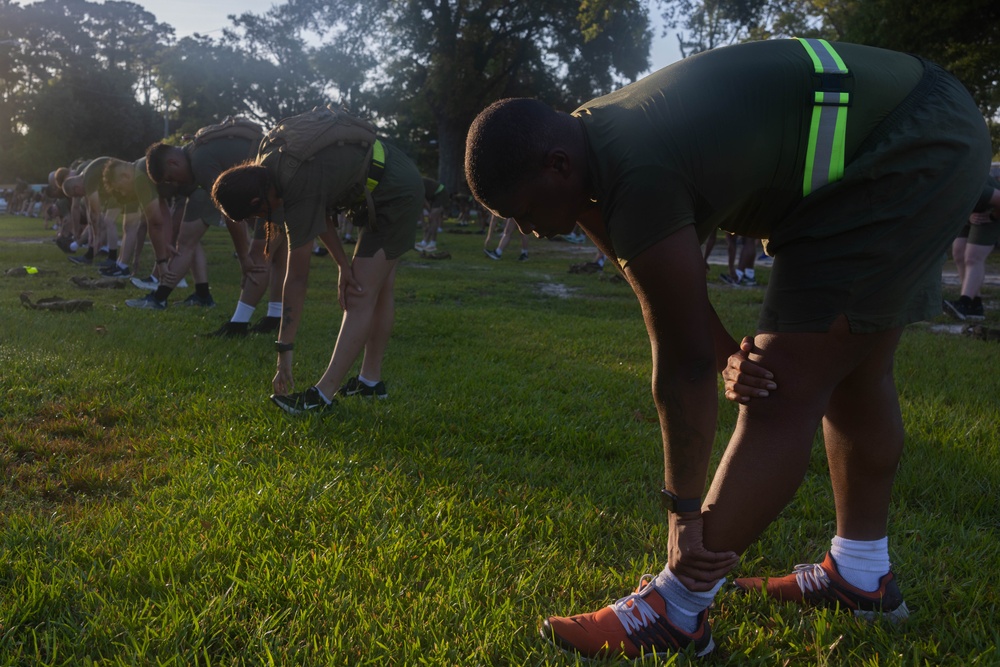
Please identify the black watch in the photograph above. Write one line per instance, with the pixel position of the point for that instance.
(672, 503)
(283, 347)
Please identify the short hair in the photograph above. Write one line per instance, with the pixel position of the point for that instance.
(236, 187)
(108, 173)
(506, 146)
(156, 161)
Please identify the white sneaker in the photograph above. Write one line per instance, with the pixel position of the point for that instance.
(149, 284)
(431, 247)
(420, 246)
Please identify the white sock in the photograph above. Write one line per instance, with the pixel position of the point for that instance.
(748, 273)
(121, 266)
(274, 309)
(322, 395)
(244, 312)
(498, 251)
(74, 246)
(683, 606)
(739, 274)
(365, 381)
(861, 563)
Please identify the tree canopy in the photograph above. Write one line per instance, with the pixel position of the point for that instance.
(79, 78)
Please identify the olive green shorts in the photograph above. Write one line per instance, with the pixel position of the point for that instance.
(200, 207)
(399, 201)
(889, 220)
(981, 234)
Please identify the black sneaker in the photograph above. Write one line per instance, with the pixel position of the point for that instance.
(108, 264)
(65, 244)
(355, 387)
(147, 302)
(266, 325)
(195, 300)
(304, 401)
(959, 309)
(976, 310)
(81, 260)
(231, 330)
(523, 257)
(492, 254)
(115, 271)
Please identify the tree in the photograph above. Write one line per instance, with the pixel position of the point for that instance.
(432, 65)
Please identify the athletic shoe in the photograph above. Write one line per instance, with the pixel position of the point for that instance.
(728, 279)
(430, 247)
(348, 239)
(304, 401)
(81, 260)
(150, 283)
(492, 254)
(746, 281)
(958, 309)
(147, 303)
(231, 330)
(65, 244)
(523, 257)
(820, 585)
(420, 246)
(976, 310)
(633, 627)
(266, 325)
(195, 300)
(115, 272)
(108, 264)
(355, 387)
(321, 251)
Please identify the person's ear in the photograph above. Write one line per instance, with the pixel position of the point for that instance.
(255, 203)
(558, 160)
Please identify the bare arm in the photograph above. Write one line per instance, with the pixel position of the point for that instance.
(293, 299)
(669, 279)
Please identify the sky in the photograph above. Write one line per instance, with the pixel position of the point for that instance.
(209, 17)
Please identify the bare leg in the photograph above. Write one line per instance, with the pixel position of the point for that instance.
(975, 268)
(863, 433)
(958, 253)
(188, 239)
(769, 451)
(357, 324)
(381, 329)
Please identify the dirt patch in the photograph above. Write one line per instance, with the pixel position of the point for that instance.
(557, 290)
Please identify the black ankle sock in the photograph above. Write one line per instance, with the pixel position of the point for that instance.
(162, 292)
(90, 253)
(201, 289)
(113, 254)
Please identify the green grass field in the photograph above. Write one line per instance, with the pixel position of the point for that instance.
(156, 509)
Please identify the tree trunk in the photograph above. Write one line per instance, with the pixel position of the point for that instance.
(451, 154)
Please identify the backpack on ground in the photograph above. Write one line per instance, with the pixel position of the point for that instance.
(299, 138)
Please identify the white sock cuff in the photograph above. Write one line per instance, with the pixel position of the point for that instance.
(243, 312)
(274, 309)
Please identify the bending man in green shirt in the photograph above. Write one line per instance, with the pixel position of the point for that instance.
(721, 140)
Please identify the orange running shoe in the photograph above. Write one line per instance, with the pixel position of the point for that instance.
(633, 627)
(820, 584)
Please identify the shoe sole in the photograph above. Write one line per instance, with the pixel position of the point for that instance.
(568, 649)
(295, 411)
(897, 615)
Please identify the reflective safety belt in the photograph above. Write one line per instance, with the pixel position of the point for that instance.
(828, 128)
(377, 166)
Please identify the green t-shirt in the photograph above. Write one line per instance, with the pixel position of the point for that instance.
(93, 179)
(719, 139)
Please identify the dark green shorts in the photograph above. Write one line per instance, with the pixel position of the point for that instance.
(399, 201)
(899, 206)
(200, 207)
(982, 234)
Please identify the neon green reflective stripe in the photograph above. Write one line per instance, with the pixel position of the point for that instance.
(378, 165)
(825, 152)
